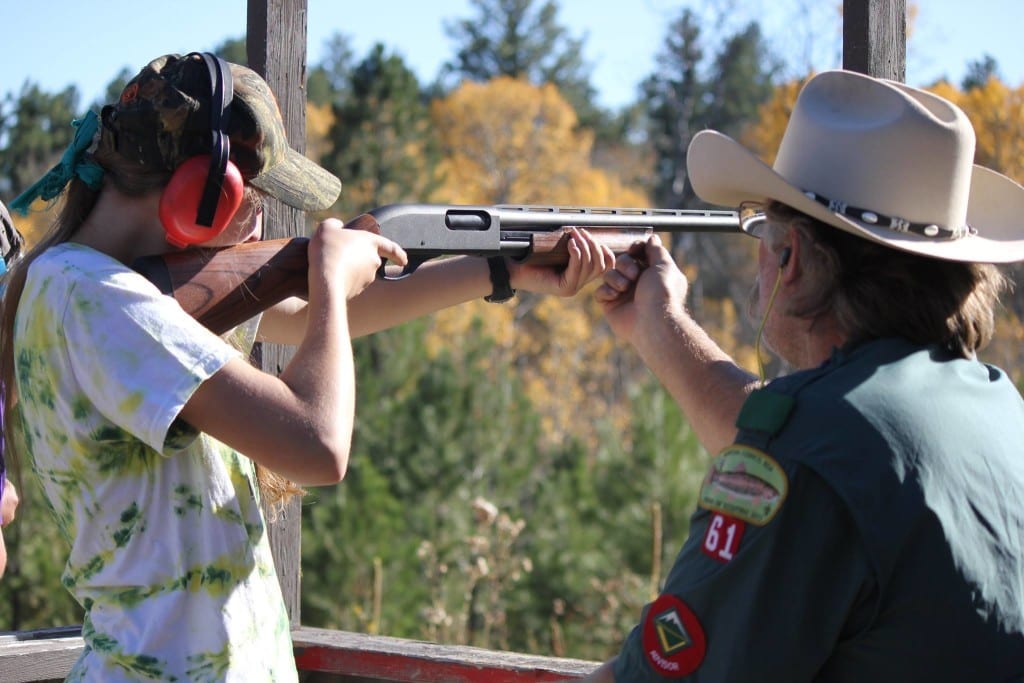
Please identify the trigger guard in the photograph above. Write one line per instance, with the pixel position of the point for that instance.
(408, 270)
(382, 273)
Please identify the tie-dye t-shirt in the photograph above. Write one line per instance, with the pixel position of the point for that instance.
(169, 553)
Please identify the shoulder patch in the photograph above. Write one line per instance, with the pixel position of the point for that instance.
(673, 638)
(722, 537)
(746, 484)
(765, 411)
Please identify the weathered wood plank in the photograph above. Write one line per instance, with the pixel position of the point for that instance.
(405, 661)
(875, 38)
(276, 49)
(36, 656)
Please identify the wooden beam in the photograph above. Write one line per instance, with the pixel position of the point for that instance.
(321, 655)
(875, 38)
(276, 48)
(359, 657)
(43, 655)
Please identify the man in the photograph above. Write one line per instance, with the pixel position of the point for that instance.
(863, 517)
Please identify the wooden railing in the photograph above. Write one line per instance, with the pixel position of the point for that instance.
(322, 655)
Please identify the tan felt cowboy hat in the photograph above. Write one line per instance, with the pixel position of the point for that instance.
(881, 160)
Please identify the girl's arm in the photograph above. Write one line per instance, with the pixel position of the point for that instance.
(442, 283)
(299, 424)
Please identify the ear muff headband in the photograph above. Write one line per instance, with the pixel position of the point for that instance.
(223, 91)
(211, 183)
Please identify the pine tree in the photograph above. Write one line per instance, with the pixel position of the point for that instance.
(329, 81)
(382, 146)
(523, 40)
(692, 91)
(675, 97)
(35, 128)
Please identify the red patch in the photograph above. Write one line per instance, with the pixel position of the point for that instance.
(130, 93)
(722, 539)
(673, 638)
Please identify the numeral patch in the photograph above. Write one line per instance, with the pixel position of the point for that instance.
(722, 539)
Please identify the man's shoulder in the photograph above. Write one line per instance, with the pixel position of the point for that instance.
(854, 364)
(894, 377)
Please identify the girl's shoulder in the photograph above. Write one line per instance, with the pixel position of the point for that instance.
(69, 255)
(71, 266)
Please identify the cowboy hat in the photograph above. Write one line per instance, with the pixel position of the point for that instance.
(879, 159)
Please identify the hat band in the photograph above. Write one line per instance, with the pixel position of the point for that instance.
(929, 230)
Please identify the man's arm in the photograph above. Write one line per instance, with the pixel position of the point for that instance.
(643, 299)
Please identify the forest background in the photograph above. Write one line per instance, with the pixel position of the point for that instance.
(519, 480)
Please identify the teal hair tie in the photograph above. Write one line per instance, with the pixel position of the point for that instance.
(75, 162)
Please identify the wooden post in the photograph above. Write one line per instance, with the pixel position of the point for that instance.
(276, 48)
(875, 38)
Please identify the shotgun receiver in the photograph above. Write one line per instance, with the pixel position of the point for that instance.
(225, 286)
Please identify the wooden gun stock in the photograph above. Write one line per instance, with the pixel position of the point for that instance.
(224, 287)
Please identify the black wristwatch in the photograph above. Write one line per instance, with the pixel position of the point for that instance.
(501, 289)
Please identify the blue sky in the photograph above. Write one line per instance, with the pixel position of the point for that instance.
(56, 43)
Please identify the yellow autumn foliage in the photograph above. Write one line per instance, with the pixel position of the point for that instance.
(319, 119)
(764, 136)
(507, 141)
(997, 113)
(38, 221)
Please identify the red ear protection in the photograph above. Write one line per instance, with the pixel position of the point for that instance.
(179, 203)
(205, 191)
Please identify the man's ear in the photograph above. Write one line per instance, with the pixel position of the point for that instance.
(789, 257)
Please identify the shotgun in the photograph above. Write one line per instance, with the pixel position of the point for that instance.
(222, 287)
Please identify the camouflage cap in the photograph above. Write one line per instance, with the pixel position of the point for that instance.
(163, 118)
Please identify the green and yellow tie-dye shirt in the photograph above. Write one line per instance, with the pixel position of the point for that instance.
(169, 554)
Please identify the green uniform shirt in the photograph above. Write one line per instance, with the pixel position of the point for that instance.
(867, 526)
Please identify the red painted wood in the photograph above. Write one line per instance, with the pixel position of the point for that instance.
(399, 660)
(389, 667)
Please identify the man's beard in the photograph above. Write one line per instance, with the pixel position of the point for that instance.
(760, 323)
(753, 301)
(756, 319)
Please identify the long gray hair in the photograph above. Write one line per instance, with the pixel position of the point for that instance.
(874, 291)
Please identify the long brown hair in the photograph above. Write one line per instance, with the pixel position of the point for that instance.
(874, 291)
(132, 180)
